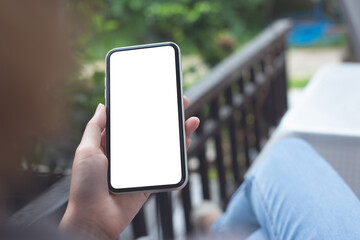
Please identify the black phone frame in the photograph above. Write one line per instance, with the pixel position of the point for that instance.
(181, 115)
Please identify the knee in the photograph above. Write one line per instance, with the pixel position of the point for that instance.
(291, 144)
(291, 153)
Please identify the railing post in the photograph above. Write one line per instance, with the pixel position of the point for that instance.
(284, 75)
(186, 199)
(255, 112)
(272, 95)
(164, 207)
(203, 162)
(233, 139)
(243, 125)
(139, 225)
(214, 113)
(265, 106)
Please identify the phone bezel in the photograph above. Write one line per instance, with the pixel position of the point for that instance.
(184, 171)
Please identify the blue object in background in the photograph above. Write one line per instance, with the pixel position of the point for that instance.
(307, 33)
(312, 27)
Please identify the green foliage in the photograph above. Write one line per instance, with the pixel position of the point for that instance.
(211, 29)
(85, 95)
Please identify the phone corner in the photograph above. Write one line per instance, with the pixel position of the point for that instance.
(173, 45)
(182, 183)
(111, 188)
(108, 55)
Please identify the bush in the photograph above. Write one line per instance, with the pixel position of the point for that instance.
(211, 29)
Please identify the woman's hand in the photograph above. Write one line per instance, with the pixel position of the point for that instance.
(92, 210)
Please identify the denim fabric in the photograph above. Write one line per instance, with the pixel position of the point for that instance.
(293, 194)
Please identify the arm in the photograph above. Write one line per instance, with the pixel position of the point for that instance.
(93, 211)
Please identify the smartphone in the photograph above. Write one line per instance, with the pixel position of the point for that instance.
(145, 130)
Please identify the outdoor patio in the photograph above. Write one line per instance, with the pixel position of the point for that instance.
(259, 94)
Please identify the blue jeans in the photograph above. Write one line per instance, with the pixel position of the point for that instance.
(293, 194)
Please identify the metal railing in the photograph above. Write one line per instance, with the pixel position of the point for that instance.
(238, 104)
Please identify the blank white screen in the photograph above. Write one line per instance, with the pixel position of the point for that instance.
(144, 124)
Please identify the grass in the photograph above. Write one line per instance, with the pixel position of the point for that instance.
(298, 82)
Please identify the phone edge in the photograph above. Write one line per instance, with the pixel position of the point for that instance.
(156, 188)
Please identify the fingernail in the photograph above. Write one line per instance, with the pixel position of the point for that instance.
(98, 108)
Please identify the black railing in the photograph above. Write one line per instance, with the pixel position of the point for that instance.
(238, 104)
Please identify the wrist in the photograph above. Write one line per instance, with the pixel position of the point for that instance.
(77, 224)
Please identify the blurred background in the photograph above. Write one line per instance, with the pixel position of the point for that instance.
(52, 65)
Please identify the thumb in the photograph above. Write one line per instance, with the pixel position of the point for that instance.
(94, 128)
